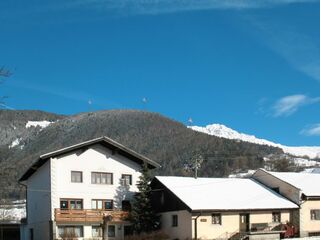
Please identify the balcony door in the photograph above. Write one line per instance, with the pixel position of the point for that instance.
(244, 222)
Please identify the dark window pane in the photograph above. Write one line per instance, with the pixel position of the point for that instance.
(64, 204)
(126, 205)
(108, 204)
(111, 231)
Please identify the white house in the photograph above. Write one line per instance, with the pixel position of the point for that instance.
(300, 188)
(82, 190)
(219, 208)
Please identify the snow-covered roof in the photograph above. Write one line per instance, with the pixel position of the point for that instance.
(308, 183)
(224, 194)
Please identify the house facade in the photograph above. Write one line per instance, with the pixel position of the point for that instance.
(302, 189)
(82, 191)
(219, 208)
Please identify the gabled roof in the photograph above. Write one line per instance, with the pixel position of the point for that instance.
(308, 183)
(224, 194)
(105, 141)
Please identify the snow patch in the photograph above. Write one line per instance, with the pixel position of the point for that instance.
(220, 130)
(41, 124)
(15, 143)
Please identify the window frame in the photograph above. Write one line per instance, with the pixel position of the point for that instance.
(101, 173)
(314, 216)
(123, 177)
(174, 220)
(213, 219)
(71, 226)
(100, 232)
(276, 217)
(68, 200)
(81, 181)
(104, 201)
(114, 232)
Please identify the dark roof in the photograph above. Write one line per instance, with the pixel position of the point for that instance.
(105, 141)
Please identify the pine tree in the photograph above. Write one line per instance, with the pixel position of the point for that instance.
(143, 218)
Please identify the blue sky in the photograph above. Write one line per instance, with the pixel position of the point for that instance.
(251, 65)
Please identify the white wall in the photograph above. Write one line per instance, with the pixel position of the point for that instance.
(52, 182)
(38, 203)
(207, 230)
(94, 159)
(231, 223)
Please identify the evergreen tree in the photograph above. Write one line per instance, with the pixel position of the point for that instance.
(143, 218)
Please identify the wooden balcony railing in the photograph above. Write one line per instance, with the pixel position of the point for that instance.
(89, 215)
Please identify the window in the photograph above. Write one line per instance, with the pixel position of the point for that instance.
(126, 179)
(101, 178)
(102, 204)
(111, 231)
(315, 214)
(216, 218)
(174, 220)
(276, 217)
(76, 176)
(70, 231)
(96, 231)
(126, 205)
(108, 204)
(64, 204)
(71, 204)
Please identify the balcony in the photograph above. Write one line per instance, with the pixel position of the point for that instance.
(89, 215)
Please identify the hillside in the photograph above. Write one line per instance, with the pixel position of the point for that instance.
(166, 141)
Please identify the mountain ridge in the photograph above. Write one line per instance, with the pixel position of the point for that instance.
(223, 131)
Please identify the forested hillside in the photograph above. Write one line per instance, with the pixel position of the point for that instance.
(166, 141)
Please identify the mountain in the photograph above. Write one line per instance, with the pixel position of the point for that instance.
(25, 135)
(222, 131)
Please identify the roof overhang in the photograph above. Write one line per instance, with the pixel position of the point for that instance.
(105, 141)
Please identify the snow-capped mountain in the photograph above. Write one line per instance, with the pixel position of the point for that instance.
(220, 130)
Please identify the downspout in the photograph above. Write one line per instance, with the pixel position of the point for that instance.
(196, 227)
(23, 228)
(26, 188)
